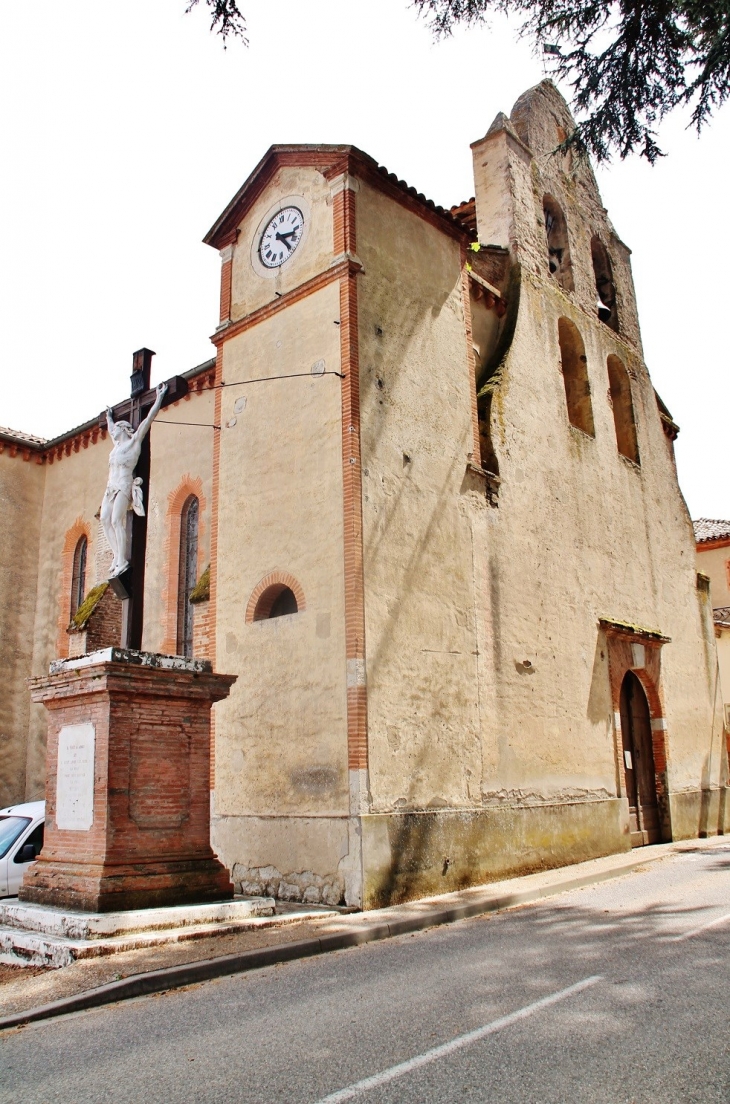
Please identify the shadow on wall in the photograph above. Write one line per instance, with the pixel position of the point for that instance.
(438, 851)
(379, 382)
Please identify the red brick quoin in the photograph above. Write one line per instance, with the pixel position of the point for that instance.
(149, 841)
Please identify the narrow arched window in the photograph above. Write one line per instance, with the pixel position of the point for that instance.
(623, 409)
(78, 575)
(276, 601)
(574, 364)
(605, 287)
(556, 232)
(187, 575)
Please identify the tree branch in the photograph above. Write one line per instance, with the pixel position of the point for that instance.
(227, 19)
(628, 64)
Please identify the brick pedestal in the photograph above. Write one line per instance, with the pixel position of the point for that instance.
(127, 788)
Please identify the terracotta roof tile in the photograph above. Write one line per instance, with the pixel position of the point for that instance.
(22, 438)
(710, 529)
(466, 213)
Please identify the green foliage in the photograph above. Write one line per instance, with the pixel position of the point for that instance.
(201, 590)
(628, 64)
(87, 607)
(226, 18)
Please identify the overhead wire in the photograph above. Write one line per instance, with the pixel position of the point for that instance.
(242, 383)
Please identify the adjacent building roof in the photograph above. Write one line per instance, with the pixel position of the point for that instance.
(40, 444)
(711, 529)
(22, 438)
(466, 213)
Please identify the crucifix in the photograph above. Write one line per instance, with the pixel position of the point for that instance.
(123, 515)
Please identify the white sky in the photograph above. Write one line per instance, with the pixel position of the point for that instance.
(126, 129)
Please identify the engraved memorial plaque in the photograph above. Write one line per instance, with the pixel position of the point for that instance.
(75, 778)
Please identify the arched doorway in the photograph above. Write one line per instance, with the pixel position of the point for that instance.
(638, 763)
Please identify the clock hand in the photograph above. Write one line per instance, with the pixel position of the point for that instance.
(283, 238)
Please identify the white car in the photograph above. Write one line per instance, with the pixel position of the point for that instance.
(21, 839)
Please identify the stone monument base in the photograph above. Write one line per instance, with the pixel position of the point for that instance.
(127, 789)
(112, 887)
(36, 935)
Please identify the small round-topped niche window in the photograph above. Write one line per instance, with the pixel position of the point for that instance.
(277, 595)
(283, 603)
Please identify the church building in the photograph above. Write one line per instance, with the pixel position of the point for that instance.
(423, 504)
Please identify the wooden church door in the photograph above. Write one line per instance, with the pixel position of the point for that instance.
(638, 763)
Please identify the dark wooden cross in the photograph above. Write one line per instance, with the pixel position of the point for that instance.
(129, 587)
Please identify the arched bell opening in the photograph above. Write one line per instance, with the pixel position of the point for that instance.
(574, 365)
(605, 287)
(623, 409)
(556, 232)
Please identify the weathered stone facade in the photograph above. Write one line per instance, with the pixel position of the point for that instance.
(456, 471)
(713, 561)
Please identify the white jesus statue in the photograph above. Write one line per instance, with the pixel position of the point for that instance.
(123, 492)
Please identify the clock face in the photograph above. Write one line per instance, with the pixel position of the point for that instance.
(281, 236)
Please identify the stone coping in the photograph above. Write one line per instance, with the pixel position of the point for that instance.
(132, 658)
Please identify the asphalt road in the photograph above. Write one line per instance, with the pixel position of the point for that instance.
(619, 993)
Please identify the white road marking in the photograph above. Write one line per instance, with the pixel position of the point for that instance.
(696, 931)
(456, 1044)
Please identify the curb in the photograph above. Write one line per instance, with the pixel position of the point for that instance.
(175, 977)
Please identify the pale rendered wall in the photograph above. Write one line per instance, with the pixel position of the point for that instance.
(723, 659)
(249, 290)
(585, 534)
(580, 533)
(714, 563)
(281, 743)
(21, 498)
(74, 486)
(415, 394)
(616, 538)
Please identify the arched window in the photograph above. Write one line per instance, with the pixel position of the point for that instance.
(623, 409)
(277, 600)
(556, 232)
(278, 594)
(605, 287)
(187, 575)
(575, 377)
(78, 575)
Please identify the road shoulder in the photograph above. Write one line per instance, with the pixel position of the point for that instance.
(91, 983)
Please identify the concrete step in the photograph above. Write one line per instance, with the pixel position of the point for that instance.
(40, 936)
(104, 925)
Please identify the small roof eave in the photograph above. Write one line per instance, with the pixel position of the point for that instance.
(329, 160)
